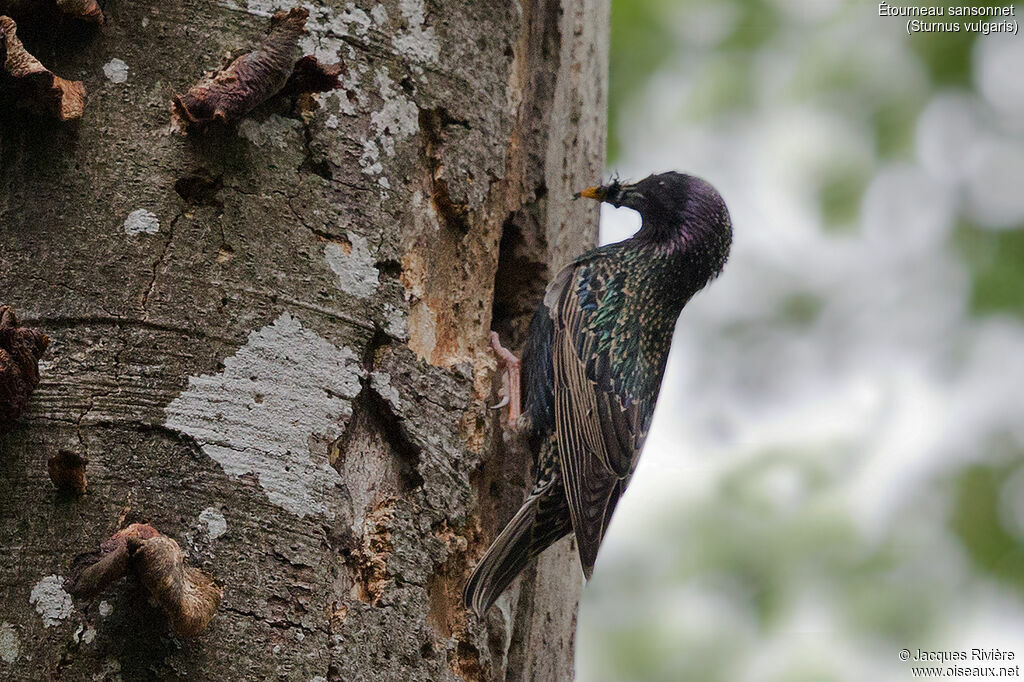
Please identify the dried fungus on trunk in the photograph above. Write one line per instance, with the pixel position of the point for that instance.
(67, 472)
(87, 11)
(20, 350)
(29, 84)
(187, 595)
(309, 75)
(272, 68)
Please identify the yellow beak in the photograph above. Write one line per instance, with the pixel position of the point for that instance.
(596, 193)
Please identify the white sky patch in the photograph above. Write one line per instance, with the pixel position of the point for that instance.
(105, 609)
(116, 71)
(51, 600)
(141, 221)
(285, 385)
(949, 136)
(10, 645)
(994, 190)
(213, 522)
(997, 62)
(353, 266)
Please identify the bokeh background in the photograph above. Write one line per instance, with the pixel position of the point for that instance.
(836, 469)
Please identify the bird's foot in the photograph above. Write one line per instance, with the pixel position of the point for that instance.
(510, 386)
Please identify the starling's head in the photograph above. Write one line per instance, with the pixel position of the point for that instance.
(669, 203)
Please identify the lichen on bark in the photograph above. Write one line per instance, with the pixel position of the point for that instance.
(343, 253)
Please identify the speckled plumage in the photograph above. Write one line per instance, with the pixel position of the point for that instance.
(593, 364)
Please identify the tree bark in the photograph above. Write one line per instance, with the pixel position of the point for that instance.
(271, 343)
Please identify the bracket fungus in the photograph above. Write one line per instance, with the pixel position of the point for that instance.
(309, 75)
(25, 81)
(67, 472)
(187, 595)
(87, 11)
(233, 91)
(20, 350)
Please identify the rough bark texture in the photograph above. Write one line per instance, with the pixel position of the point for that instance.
(271, 343)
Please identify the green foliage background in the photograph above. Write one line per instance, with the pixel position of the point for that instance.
(763, 553)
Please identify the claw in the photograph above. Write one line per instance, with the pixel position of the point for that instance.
(510, 382)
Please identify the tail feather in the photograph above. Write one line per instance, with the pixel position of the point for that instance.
(540, 522)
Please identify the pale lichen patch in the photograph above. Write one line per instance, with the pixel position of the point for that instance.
(369, 161)
(354, 267)
(398, 116)
(325, 28)
(419, 41)
(10, 644)
(276, 132)
(141, 221)
(213, 523)
(286, 386)
(116, 71)
(381, 383)
(395, 324)
(51, 600)
(84, 634)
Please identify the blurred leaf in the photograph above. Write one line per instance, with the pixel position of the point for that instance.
(947, 54)
(722, 86)
(840, 196)
(894, 128)
(995, 259)
(975, 520)
(640, 42)
(759, 23)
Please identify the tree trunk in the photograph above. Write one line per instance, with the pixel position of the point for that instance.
(271, 342)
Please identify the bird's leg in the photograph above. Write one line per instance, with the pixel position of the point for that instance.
(510, 382)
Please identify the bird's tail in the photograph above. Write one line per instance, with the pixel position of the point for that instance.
(542, 520)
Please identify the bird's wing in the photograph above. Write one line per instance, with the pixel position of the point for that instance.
(596, 419)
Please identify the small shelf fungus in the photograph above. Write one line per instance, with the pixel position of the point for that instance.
(87, 11)
(233, 91)
(20, 350)
(309, 75)
(187, 595)
(67, 472)
(29, 84)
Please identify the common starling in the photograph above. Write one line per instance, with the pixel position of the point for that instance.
(592, 367)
